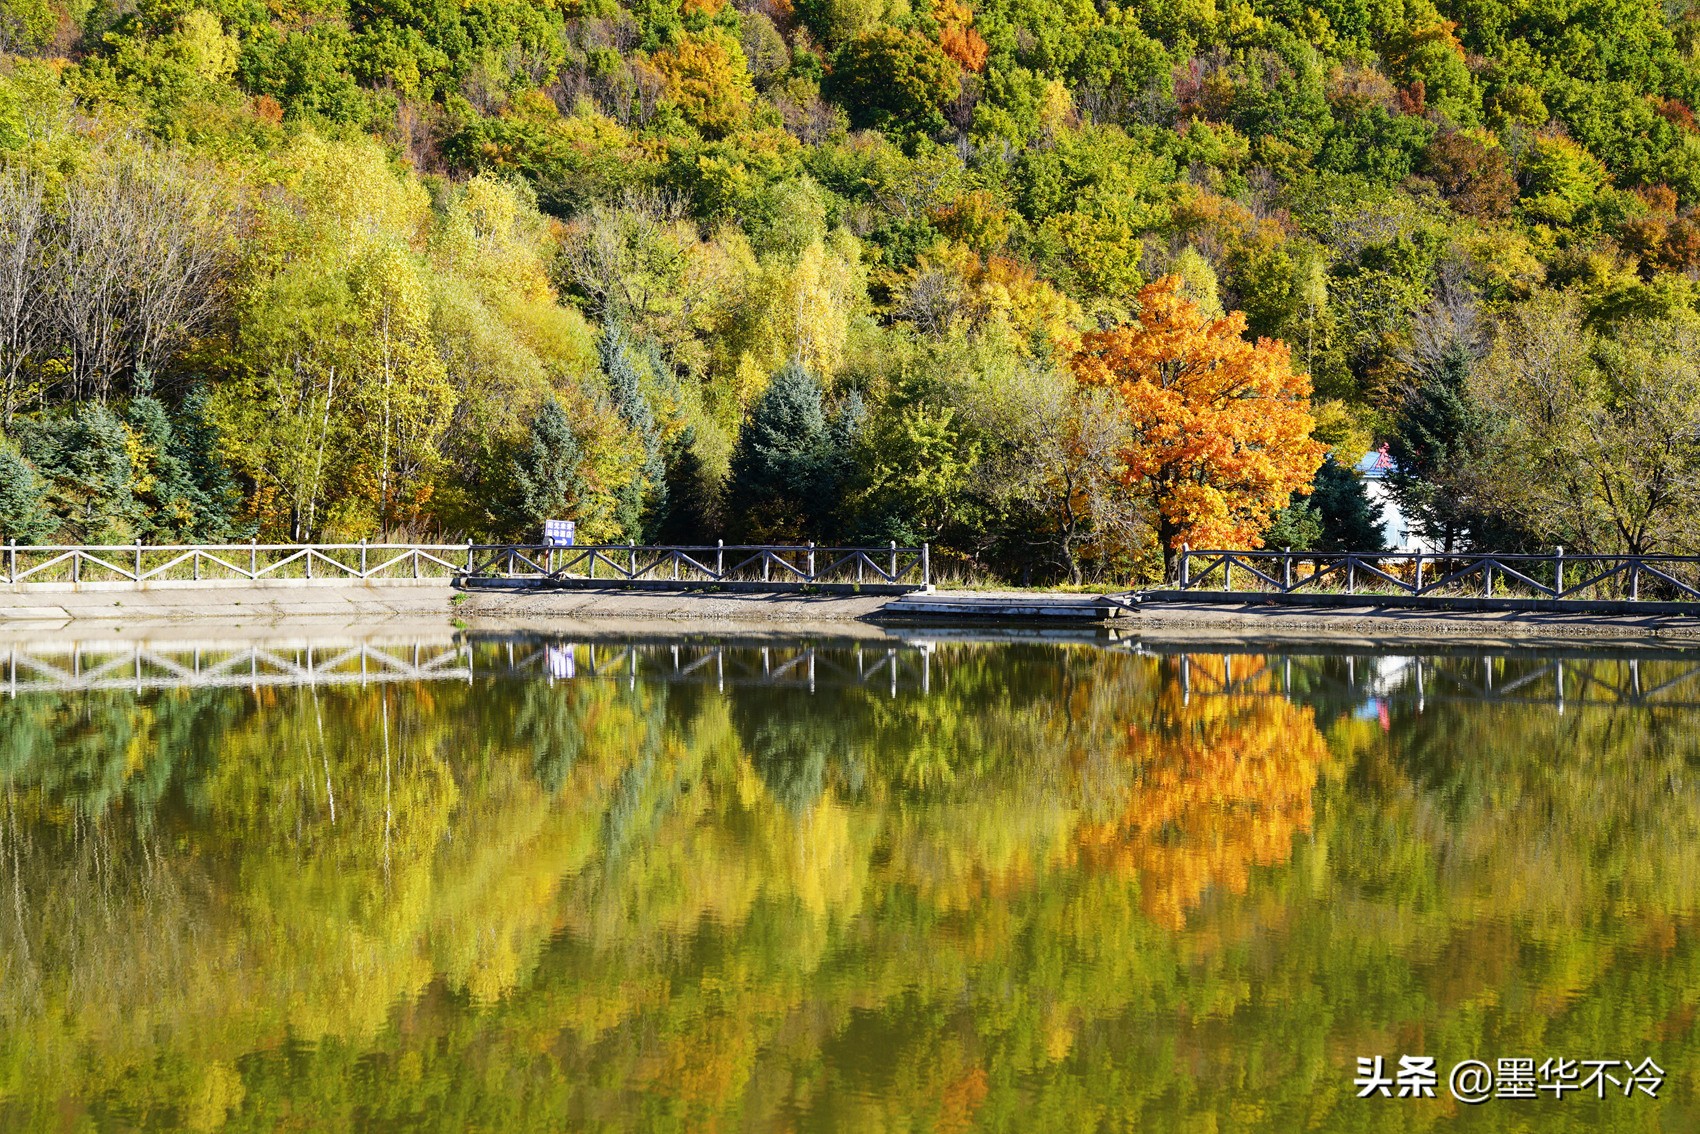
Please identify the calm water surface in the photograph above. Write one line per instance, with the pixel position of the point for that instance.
(527, 884)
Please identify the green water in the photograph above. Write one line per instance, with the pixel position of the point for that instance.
(517, 884)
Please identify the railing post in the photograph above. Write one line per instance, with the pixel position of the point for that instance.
(76, 566)
(631, 559)
(1558, 573)
(1227, 571)
(893, 575)
(811, 561)
(307, 558)
(254, 556)
(926, 564)
(1634, 578)
(469, 559)
(1487, 574)
(138, 561)
(1286, 570)
(195, 555)
(766, 565)
(719, 559)
(362, 559)
(12, 563)
(1351, 574)
(1186, 566)
(1419, 589)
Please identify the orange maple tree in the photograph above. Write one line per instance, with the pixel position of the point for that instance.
(957, 35)
(1221, 426)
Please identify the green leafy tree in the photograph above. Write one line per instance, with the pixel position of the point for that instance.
(894, 80)
(921, 475)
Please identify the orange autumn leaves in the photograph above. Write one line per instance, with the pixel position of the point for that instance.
(1221, 426)
(1223, 784)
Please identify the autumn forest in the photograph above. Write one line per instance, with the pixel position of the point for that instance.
(1056, 286)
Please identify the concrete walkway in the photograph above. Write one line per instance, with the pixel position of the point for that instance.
(435, 602)
(251, 602)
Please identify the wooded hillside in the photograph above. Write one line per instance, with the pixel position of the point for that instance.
(850, 270)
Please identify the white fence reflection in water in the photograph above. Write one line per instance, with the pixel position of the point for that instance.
(1658, 680)
(1653, 679)
(889, 666)
(140, 666)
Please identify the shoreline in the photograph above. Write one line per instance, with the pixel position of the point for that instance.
(421, 605)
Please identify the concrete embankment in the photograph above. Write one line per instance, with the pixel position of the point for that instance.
(438, 602)
(232, 603)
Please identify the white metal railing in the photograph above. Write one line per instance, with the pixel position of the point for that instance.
(139, 564)
(1657, 578)
(742, 563)
(155, 564)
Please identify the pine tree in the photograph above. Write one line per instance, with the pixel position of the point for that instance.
(644, 500)
(1336, 515)
(85, 459)
(165, 493)
(1350, 522)
(184, 493)
(693, 496)
(545, 473)
(777, 466)
(24, 517)
(218, 497)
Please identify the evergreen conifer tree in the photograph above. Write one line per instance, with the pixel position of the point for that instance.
(24, 517)
(693, 495)
(793, 461)
(166, 496)
(1350, 522)
(218, 497)
(545, 473)
(644, 500)
(85, 458)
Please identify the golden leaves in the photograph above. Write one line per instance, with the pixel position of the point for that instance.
(1222, 426)
(1224, 784)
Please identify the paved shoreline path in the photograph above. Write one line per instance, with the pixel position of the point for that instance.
(440, 602)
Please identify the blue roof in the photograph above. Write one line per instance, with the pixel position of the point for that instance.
(1375, 464)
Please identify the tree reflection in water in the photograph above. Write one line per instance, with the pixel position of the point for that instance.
(1050, 886)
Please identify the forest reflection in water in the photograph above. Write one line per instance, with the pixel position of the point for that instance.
(523, 883)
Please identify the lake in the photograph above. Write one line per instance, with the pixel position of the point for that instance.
(485, 882)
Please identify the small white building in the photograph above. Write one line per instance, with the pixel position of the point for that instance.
(1399, 531)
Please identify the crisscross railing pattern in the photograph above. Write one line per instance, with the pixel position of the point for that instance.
(1657, 578)
(156, 564)
(742, 563)
(138, 564)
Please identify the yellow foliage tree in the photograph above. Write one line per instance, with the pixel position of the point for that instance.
(709, 78)
(1221, 426)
